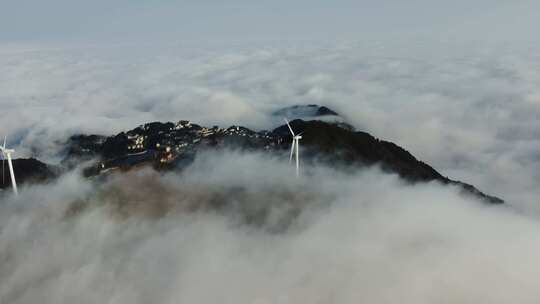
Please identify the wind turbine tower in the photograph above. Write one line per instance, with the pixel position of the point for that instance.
(6, 153)
(295, 148)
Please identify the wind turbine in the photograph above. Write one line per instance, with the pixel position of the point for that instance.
(6, 153)
(295, 148)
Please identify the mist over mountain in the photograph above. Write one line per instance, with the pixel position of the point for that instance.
(169, 146)
(232, 223)
(105, 215)
(469, 110)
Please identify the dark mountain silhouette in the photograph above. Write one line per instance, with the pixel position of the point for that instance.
(330, 143)
(168, 146)
(28, 171)
(305, 111)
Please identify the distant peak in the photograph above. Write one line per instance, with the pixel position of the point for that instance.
(305, 111)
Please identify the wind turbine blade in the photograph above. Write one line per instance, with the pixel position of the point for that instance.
(289, 125)
(3, 169)
(297, 158)
(12, 174)
(292, 151)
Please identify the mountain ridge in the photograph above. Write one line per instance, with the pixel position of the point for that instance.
(169, 146)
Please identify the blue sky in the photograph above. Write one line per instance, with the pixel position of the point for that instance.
(76, 20)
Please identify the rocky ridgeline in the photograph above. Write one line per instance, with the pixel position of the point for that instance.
(170, 146)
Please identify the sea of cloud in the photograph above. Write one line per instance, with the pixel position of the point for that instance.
(239, 228)
(236, 227)
(470, 110)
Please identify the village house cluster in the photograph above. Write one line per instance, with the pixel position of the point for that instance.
(137, 142)
(165, 142)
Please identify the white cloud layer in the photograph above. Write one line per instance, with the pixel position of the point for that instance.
(365, 237)
(470, 110)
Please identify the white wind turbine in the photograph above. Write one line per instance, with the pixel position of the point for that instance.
(295, 148)
(6, 153)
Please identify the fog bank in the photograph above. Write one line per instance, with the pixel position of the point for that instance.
(365, 237)
(468, 109)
